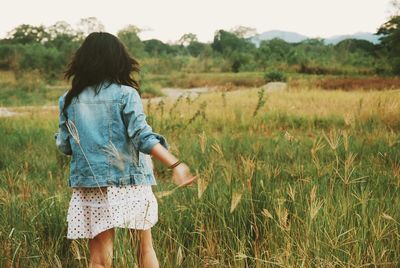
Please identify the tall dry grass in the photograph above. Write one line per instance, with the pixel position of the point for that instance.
(309, 180)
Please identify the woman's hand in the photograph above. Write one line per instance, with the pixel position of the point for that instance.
(181, 175)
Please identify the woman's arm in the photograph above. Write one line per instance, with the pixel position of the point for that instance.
(62, 136)
(163, 155)
(181, 175)
(139, 132)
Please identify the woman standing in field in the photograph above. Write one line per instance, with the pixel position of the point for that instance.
(103, 127)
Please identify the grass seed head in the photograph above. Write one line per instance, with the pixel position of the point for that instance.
(73, 130)
(236, 197)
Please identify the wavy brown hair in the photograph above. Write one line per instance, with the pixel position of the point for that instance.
(101, 57)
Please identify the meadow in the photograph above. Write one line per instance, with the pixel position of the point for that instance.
(300, 178)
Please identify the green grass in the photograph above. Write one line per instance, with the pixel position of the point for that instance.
(312, 186)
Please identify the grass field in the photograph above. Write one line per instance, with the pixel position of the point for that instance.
(304, 178)
(31, 89)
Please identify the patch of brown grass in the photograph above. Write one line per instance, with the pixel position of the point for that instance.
(354, 83)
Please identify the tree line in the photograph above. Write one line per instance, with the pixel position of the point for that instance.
(48, 50)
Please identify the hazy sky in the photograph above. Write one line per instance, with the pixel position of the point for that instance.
(168, 20)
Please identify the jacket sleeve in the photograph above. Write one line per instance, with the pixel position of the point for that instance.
(62, 136)
(139, 132)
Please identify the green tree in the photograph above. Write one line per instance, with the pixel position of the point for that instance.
(355, 45)
(272, 52)
(196, 49)
(263, 55)
(155, 48)
(28, 34)
(9, 55)
(243, 31)
(63, 37)
(237, 50)
(390, 42)
(129, 36)
(226, 42)
(48, 61)
(187, 39)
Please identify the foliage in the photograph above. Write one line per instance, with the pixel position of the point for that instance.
(236, 49)
(28, 34)
(187, 39)
(275, 76)
(129, 36)
(230, 51)
(156, 48)
(356, 45)
(390, 41)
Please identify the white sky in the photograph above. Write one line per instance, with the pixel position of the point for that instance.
(168, 20)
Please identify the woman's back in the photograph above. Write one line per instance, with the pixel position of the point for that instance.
(110, 137)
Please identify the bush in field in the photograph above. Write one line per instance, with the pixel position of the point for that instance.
(9, 56)
(275, 76)
(49, 61)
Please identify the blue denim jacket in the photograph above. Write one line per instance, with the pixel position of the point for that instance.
(110, 140)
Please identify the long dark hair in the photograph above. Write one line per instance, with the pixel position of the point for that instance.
(101, 57)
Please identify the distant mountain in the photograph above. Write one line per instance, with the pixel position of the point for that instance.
(290, 37)
(293, 37)
(360, 35)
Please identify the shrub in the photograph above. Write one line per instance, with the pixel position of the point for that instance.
(275, 76)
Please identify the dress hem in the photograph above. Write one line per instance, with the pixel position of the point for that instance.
(82, 236)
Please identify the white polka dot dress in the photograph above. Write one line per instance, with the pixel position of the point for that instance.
(94, 210)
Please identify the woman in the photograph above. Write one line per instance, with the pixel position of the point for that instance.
(103, 127)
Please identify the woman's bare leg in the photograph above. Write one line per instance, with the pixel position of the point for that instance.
(101, 249)
(147, 257)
